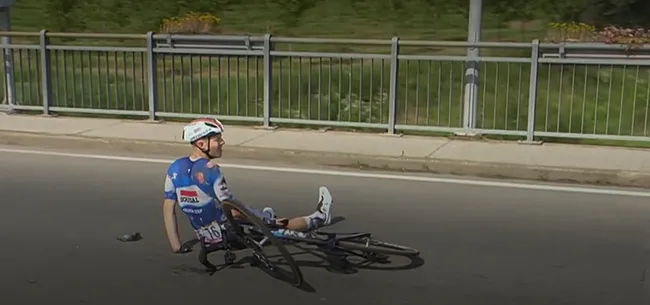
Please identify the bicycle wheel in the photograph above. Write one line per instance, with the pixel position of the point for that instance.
(370, 245)
(296, 277)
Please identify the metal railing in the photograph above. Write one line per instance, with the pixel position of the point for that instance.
(529, 90)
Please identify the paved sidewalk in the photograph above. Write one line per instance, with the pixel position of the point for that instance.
(551, 162)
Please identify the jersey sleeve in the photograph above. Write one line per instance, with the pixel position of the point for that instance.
(219, 184)
(170, 188)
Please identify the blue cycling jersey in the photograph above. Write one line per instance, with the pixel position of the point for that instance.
(199, 186)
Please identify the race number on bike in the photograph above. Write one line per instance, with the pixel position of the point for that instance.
(211, 233)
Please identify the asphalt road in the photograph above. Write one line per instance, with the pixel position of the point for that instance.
(480, 245)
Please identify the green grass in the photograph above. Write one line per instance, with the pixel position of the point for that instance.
(578, 99)
(335, 18)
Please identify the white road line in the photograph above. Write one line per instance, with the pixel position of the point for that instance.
(542, 187)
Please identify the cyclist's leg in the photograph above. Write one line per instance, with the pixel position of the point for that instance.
(322, 216)
(268, 214)
(253, 210)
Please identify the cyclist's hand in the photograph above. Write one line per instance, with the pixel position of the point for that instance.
(185, 248)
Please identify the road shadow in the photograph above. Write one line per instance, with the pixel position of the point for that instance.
(243, 263)
(321, 259)
(336, 220)
(324, 261)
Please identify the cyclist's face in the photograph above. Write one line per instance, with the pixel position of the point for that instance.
(216, 145)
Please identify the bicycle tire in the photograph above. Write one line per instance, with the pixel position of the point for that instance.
(227, 206)
(377, 247)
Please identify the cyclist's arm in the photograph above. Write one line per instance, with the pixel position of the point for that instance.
(223, 193)
(171, 226)
(169, 215)
(218, 182)
(221, 190)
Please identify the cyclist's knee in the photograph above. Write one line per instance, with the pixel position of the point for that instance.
(236, 214)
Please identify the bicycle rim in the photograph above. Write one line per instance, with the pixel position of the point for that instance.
(370, 245)
(296, 277)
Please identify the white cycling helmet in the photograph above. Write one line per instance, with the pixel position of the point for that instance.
(201, 128)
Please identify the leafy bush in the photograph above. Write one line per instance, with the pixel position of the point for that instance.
(191, 23)
(582, 32)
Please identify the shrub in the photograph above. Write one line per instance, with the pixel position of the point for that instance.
(620, 35)
(191, 23)
(582, 32)
(571, 31)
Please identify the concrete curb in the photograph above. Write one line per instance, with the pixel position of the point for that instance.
(433, 166)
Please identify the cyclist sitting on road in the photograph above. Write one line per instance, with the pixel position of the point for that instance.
(197, 184)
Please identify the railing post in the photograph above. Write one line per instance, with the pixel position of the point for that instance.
(152, 76)
(470, 95)
(10, 83)
(46, 72)
(394, 85)
(532, 94)
(472, 71)
(268, 80)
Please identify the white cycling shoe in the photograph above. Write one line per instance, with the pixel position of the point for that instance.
(325, 205)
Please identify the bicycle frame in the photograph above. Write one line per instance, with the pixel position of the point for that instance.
(327, 245)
